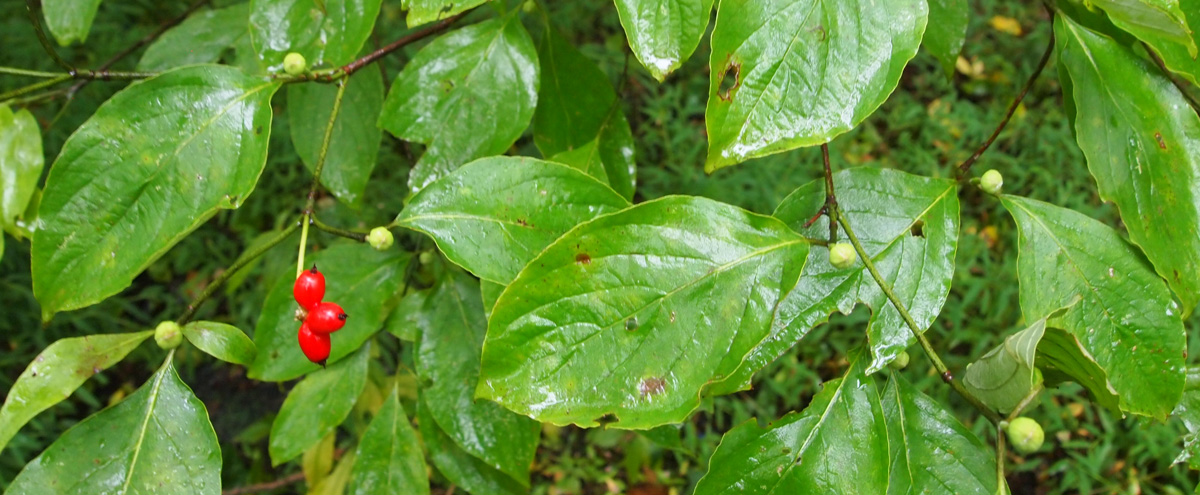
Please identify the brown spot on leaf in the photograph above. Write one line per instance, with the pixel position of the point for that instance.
(1158, 137)
(652, 386)
(583, 259)
(730, 81)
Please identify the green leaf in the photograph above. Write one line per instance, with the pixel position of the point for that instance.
(1062, 357)
(1151, 21)
(838, 444)
(792, 73)
(578, 120)
(354, 145)
(199, 39)
(425, 11)
(1188, 411)
(365, 282)
(21, 163)
(327, 32)
(389, 456)
(447, 363)
(664, 33)
(318, 405)
(335, 483)
(491, 292)
(1125, 318)
(931, 451)
(69, 20)
(224, 342)
(152, 164)
(468, 94)
(1139, 136)
(57, 372)
(494, 215)
(1005, 376)
(633, 313)
(408, 316)
(157, 441)
(946, 32)
(888, 209)
(1175, 56)
(462, 469)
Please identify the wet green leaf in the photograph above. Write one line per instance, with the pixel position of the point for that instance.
(468, 94)
(318, 405)
(408, 316)
(664, 33)
(423, 11)
(1139, 135)
(328, 33)
(491, 292)
(69, 20)
(157, 441)
(447, 363)
(365, 282)
(838, 444)
(1062, 357)
(791, 73)
(1176, 56)
(152, 164)
(463, 469)
(199, 39)
(1004, 376)
(1125, 317)
(494, 215)
(946, 32)
(224, 342)
(1151, 20)
(909, 225)
(58, 371)
(21, 163)
(578, 120)
(931, 451)
(390, 459)
(633, 313)
(354, 145)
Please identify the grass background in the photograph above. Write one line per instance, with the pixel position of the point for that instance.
(927, 126)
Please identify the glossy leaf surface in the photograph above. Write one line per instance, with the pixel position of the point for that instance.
(838, 444)
(448, 363)
(365, 282)
(354, 145)
(408, 316)
(328, 32)
(792, 73)
(578, 120)
(423, 11)
(199, 39)
(1004, 376)
(69, 20)
(909, 225)
(317, 406)
(461, 468)
(1062, 357)
(21, 163)
(664, 33)
(1138, 134)
(390, 460)
(932, 452)
(1177, 56)
(57, 372)
(946, 32)
(1152, 20)
(157, 441)
(494, 215)
(224, 342)
(152, 164)
(634, 313)
(468, 94)
(1125, 316)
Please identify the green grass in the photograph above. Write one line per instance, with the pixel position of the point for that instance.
(929, 124)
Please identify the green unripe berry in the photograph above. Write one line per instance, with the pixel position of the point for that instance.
(991, 182)
(842, 255)
(380, 238)
(425, 258)
(1025, 434)
(900, 362)
(529, 6)
(168, 335)
(294, 64)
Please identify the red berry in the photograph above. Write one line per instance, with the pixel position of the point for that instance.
(309, 288)
(326, 317)
(316, 346)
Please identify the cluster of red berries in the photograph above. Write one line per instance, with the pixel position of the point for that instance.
(320, 318)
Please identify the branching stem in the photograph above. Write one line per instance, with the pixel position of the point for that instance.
(241, 262)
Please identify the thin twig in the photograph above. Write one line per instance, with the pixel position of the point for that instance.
(246, 258)
(322, 226)
(34, 9)
(29, 73)
(1171, 76)
(932, 354)
(266, 487)
(1000, 453)
(1012, 108)
(831, 204)
(316, 182)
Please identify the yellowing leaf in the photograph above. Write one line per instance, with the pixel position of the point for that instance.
(1006, 25)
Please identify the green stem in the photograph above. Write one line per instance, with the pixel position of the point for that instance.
(1000, 453)
(241, 262)
(333, 115)
(304, 220)
(932, 354)
(34, 9)
(103, 75)
(322, 226)
(30, 73)
(33, 87)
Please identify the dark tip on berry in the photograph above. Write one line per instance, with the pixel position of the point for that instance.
(343, 316)
(322, 362)
(313, 269)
